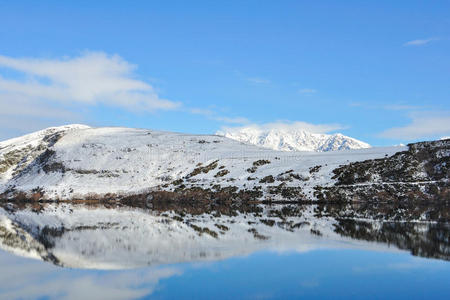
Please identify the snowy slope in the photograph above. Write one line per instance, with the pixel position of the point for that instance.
(287, 139)
(76, 161)
(17, 153)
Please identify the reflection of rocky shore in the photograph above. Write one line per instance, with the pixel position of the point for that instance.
(395, 224)
(427, 240)
(119, 236)
(396, 211)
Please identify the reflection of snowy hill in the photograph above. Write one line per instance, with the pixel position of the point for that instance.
(87, 237)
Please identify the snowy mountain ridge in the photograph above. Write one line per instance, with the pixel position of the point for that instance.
(287, 139)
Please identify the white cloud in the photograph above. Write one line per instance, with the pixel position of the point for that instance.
(50, 92)
(92, 78)
(307, 91)
(286, 126)
(420, 42)
(423, 125)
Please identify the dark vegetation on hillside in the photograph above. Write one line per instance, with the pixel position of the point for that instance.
(420, 173)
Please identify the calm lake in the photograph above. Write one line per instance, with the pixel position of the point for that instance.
(173, 251)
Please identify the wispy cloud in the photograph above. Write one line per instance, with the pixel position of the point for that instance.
(399, 106)
(258, 80)
(307, 91)
(403, 107)
(420, 42)
(212, 115)
(356, 104)
(423, 125)
(235, 120)
(91, 78)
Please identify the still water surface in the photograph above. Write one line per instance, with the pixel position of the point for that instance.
(276, 252)
(318, 274)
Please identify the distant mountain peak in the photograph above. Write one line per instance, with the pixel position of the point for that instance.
(286, 139)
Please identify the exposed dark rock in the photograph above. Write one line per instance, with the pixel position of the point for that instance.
(204, 169)
(314, 169)
(267, 179)
(257, 164)
(221, 173)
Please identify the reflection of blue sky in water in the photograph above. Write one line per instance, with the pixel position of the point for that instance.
(317, 274)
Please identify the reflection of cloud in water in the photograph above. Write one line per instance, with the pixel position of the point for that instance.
(22, 278)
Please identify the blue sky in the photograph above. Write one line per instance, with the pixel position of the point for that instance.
(378, 71)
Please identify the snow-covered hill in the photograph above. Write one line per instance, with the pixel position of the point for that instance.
(78, 162)
(289, 139)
